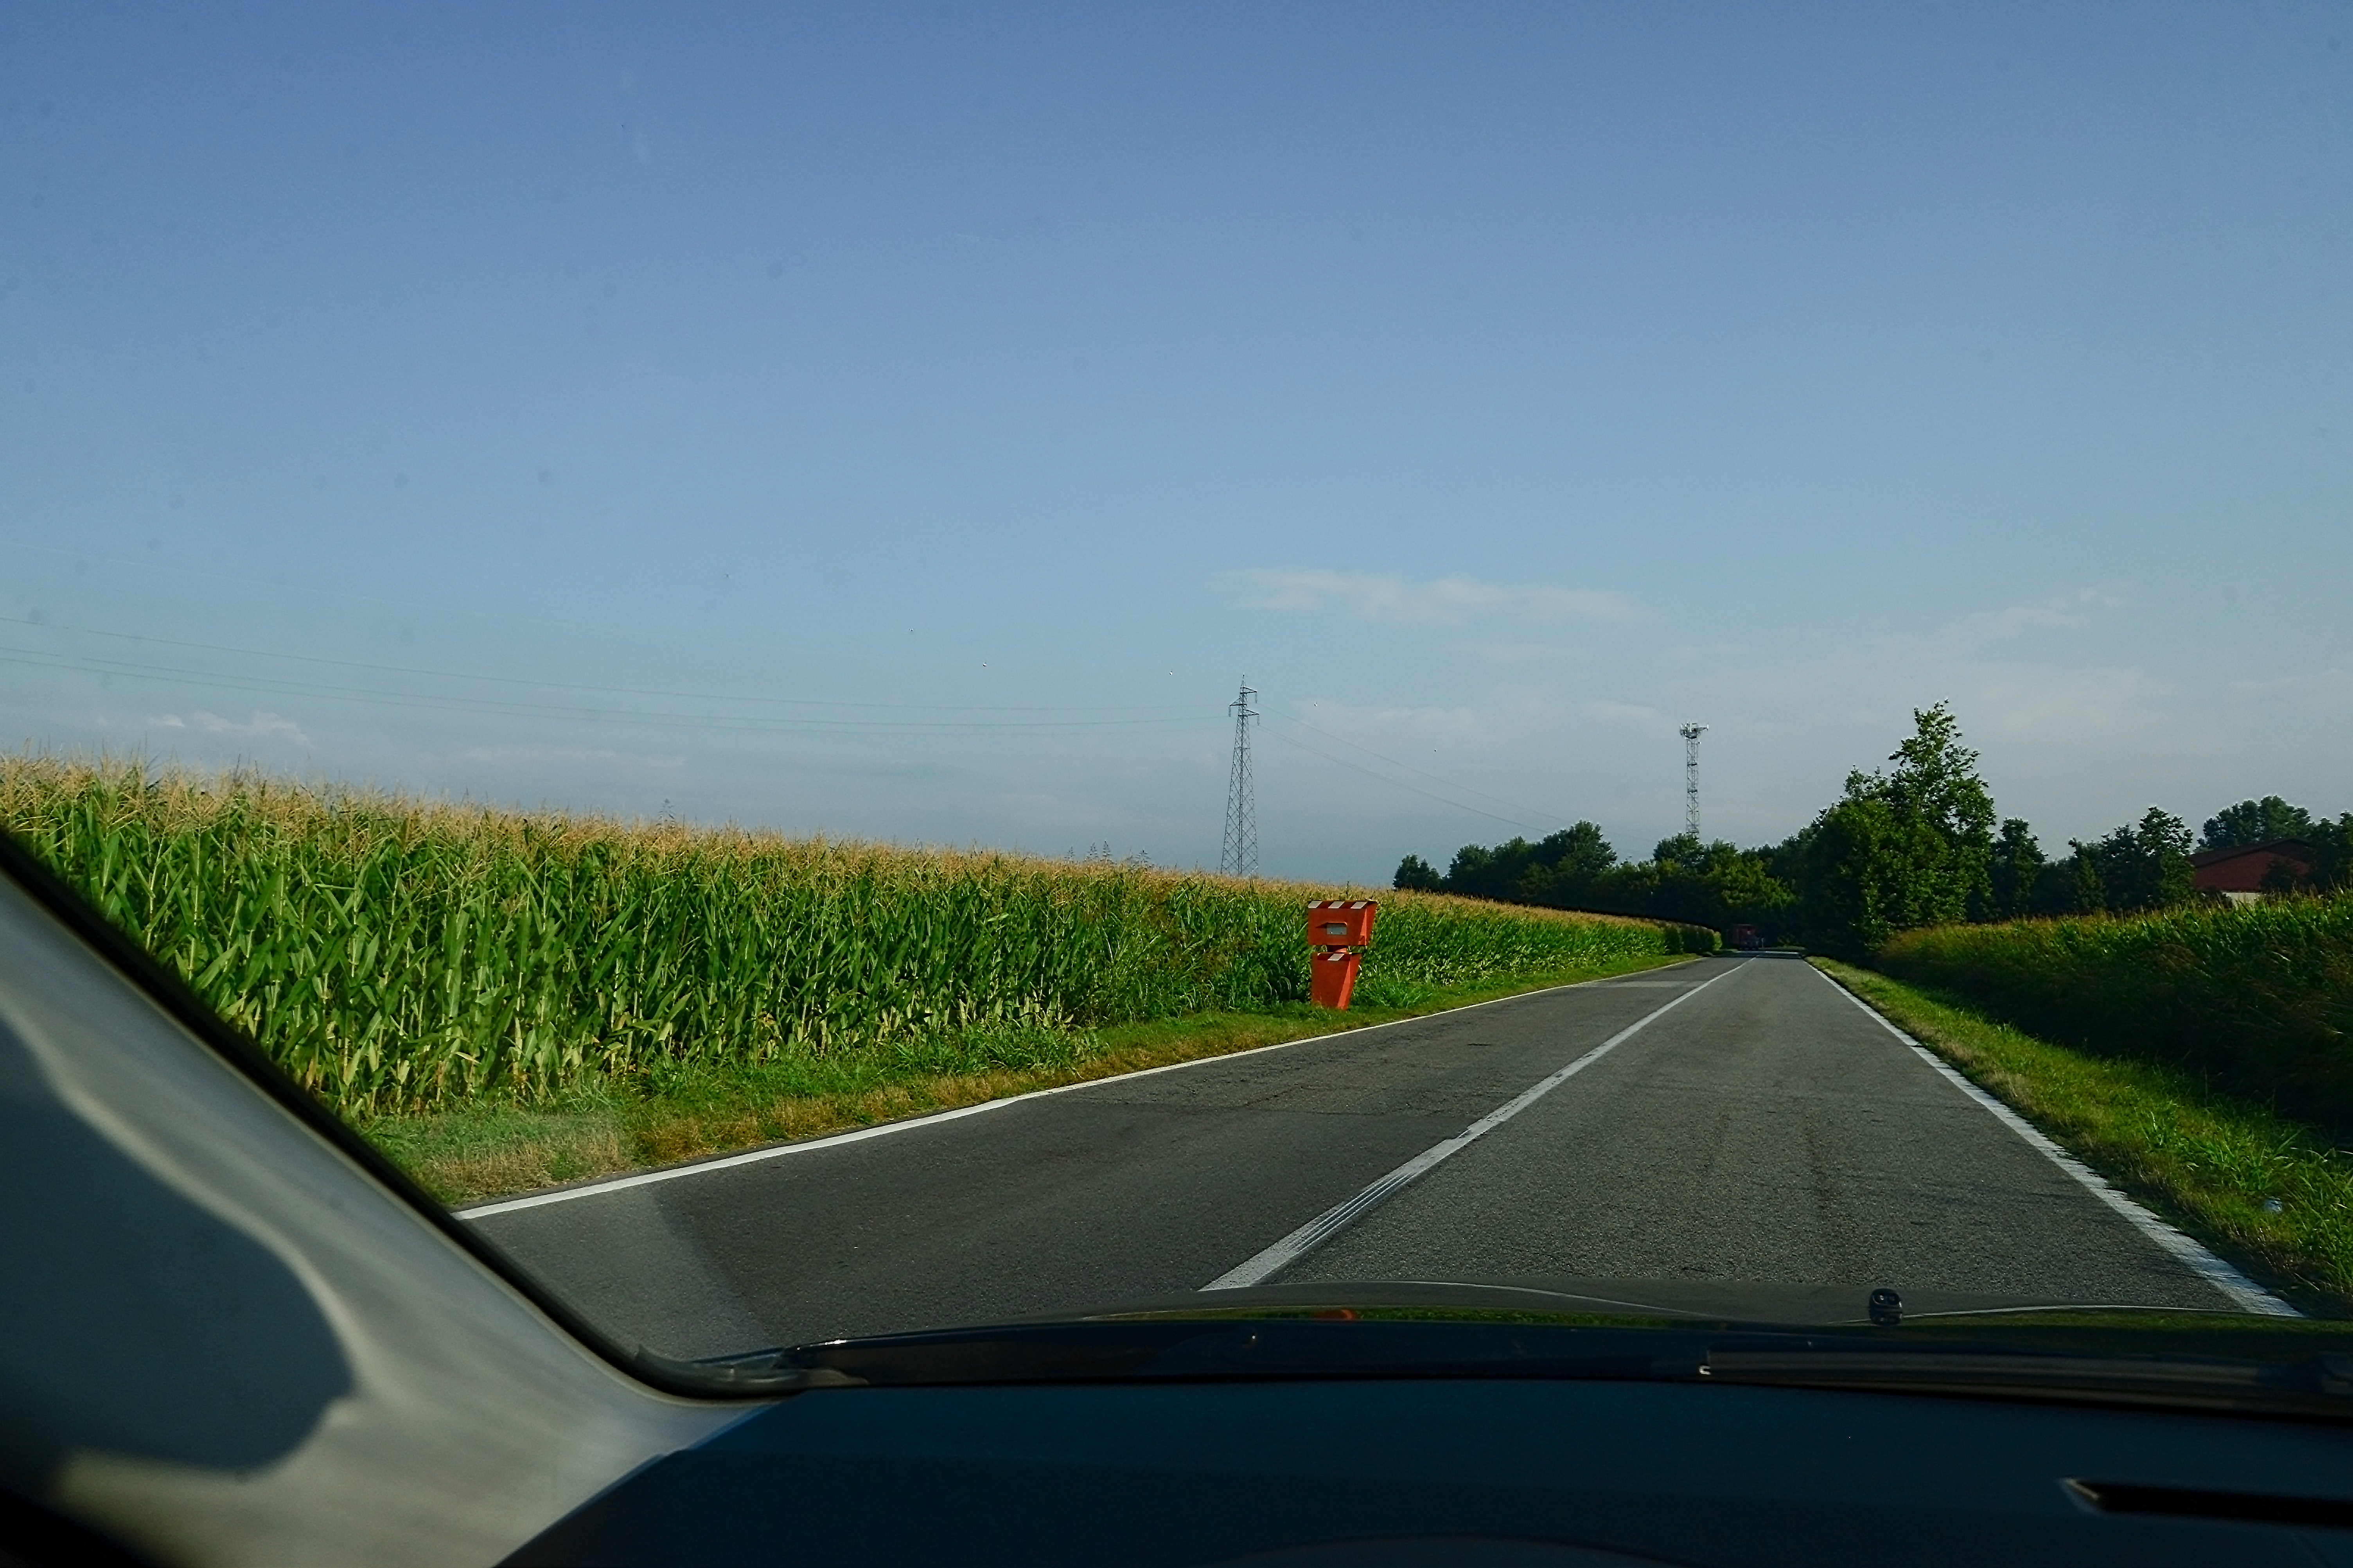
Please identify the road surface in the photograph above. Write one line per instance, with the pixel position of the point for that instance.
(1763, 1139)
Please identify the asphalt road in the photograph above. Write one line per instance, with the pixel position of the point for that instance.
(1763, 1135)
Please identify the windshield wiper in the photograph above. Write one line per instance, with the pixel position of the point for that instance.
(1177, 1349)
(2316, 1384)
(1184, 1349)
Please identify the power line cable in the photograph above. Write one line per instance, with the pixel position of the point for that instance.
(580, 686)
(505, 618)
(1434, 778)
(1400, 783)
(496, 707)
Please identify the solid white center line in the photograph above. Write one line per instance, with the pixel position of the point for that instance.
(1332, 1221)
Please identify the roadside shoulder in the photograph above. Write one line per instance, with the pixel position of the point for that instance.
(2261, 1191)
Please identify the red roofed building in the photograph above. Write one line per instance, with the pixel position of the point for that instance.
(2241, 873)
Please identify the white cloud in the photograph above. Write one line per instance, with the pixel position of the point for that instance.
(1031, 800)
(1385, 596)
(2331, 684)
(2001, 690)
(1425, 721)
(2040, 697)
(262, 726)
(2064, 699)
(2059, 612)
(1633, 711)
(1526, 652)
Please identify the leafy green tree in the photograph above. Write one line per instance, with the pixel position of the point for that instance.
(2139, 866)
(2017, 867)
(1682, 849)
(1719, 885)
(2147, 865)
(1415, 873)
(2082, 889)
(2332, 853)
(1853, 853)
(1786, 861)
(1553, 870)
(1934, 783)
(1909, 845)
(1715, 885)
(1565, 867)
(2256, 822)
(1580, 851)
(1739, 889)
(1483, 873)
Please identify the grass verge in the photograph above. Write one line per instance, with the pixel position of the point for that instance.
(498, 1147)
(2213, 1161)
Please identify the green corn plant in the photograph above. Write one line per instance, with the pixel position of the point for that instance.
(2257, 999)
(398, 955)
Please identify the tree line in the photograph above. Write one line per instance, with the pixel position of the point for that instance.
(1914, 843)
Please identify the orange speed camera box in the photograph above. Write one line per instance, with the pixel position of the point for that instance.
(1332, 978)
(1336, 922)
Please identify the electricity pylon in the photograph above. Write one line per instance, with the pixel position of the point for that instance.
(1240, 856)
(1691, 735)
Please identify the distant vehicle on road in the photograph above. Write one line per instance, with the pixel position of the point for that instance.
(1745, 937)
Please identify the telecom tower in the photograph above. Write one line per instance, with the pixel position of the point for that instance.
(1240, 856)
(1691, 735)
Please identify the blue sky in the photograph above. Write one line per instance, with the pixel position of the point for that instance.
(913, 422)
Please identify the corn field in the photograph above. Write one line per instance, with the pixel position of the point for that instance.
(396, 954)
(2258, 1000)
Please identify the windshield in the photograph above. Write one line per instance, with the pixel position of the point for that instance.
(897, 669)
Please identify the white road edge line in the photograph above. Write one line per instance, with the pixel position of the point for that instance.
(2244, 1292)
(1332, 1221)
(778, 1150)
